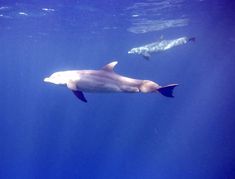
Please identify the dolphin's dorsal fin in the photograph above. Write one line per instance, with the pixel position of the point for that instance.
(109, 67)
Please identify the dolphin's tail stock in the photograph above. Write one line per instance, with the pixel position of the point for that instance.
(167, 90)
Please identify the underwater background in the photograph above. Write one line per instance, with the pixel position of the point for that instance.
(46, 132)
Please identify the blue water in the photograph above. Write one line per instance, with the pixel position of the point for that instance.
(46, 132)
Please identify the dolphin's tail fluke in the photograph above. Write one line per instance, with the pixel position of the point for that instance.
(192, 39)
(167, 90)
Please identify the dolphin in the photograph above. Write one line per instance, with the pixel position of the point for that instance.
(105, 80)
(148, 49)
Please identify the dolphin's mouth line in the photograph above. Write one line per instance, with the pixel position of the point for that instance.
(49, 80)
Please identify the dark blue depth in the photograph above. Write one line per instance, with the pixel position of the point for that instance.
(46, 132)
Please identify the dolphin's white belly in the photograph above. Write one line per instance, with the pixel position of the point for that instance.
(105, 82)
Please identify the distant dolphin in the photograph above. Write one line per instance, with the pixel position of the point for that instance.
(159, 46)
(105, 80)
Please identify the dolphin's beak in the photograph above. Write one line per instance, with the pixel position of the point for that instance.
(47, 80)
(51, 80)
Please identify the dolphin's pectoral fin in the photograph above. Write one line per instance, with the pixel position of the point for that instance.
(109, 67)
(146, 56)
(80, 95)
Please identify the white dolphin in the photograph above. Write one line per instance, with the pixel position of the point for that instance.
(148, 49)
(105, 80)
